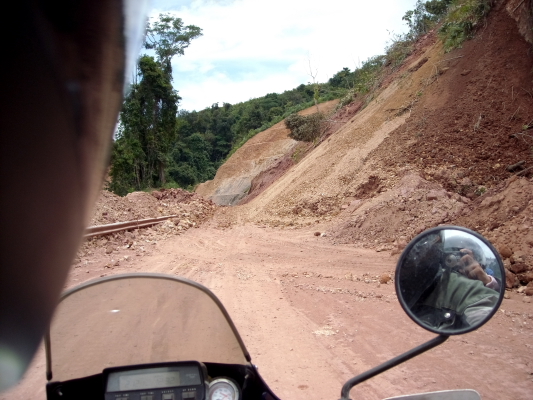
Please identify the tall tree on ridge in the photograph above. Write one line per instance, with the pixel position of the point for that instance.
(147, 126)
(168, 37)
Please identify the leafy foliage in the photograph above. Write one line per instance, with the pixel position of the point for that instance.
(360, 81)
(462, 20)
(169, 37)
(437, 7)
(343, 79)
(147, 125)
(305, 128)
(424, 16)
(146, 132)
(420, 21)
(398, 50)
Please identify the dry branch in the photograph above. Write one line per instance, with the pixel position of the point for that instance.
(519, 4)
(520, 173)
(528, 92)
(511, 168)
(512, 116)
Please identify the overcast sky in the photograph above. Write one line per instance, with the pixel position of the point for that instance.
(253, 47)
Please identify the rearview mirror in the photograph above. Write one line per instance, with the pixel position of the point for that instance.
(450, 280)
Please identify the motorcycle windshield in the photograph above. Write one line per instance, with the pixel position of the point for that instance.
(138, 319)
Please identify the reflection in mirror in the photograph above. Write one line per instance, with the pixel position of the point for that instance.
(450, 280)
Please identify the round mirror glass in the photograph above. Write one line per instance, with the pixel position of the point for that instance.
(450, 280)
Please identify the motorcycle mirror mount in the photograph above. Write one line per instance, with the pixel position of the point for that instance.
(449, 280)
(345, 393)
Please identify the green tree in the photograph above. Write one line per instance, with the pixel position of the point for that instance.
(342, 78)
(148, 126)
(305, 128)
(147, 129)
(437, 7)
(191, 163)
(424, 16)
(169, 37)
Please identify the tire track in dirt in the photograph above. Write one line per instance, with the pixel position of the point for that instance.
(313, 314)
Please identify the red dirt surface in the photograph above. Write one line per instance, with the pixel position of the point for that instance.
(473, 120)
(313, 314)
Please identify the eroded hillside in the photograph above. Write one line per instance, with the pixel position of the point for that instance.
(233, 180)
(438, 144)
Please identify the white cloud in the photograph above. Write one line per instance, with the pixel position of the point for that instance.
(250, 47)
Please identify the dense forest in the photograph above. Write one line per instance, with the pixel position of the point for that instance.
(158, 146)
(183, 148)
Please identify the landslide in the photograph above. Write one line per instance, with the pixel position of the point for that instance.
(435, 145)
(270, 149)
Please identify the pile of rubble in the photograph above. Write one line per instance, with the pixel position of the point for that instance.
(190, 210)
(393, 217)
(111, 208)
(504, 215)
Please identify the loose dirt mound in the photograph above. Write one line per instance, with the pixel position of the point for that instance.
(111, 208)
(391, 219)
(505, 216)
(191, 210)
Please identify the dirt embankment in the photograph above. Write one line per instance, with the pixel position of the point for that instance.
(437, 145)
(455, 153)
(268, 150)
(476, 116)
(268, 176)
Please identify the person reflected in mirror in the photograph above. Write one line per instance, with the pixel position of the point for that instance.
(465, 255)
(439, 296)
(472, 269)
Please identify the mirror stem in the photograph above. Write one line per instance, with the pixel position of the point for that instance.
(389, 364)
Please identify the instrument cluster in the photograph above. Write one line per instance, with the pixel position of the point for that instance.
(168, 381)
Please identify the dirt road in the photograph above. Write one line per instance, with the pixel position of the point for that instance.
(313, 314)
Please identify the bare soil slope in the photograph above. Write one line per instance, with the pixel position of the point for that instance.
(436, 146)
(234, 178)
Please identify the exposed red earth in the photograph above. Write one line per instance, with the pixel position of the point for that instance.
(312, 314)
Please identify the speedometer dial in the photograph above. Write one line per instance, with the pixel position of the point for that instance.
(223, 389)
